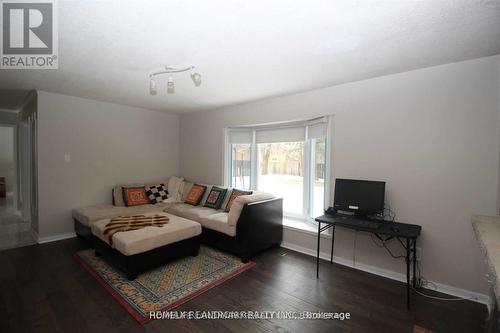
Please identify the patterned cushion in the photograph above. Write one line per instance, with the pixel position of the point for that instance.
(135, 196)
(234, 195)
(195, 194)
(156, 193)
(215, 197)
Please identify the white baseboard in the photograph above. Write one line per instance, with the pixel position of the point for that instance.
(48, 239)
(440, 287)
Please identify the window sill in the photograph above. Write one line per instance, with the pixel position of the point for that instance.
(302, 226)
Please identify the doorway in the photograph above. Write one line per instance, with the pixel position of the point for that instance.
(8, 181)
(18, 213)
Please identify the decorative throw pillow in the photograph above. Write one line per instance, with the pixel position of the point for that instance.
(195, 194)
(157, 193)
(135, 196)
(234, 195)
(215, 197)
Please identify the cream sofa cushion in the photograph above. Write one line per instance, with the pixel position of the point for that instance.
(149, 238)
(239, 202)
(199, 213)
(218, 222)
(174, 187)
(191, 212)
(144, 209)
(208, 217)
(88, 215)
(178, 208)
(216, 219)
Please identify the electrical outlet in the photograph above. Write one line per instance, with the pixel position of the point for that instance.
(419, 253)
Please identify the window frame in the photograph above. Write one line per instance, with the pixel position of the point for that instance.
(230, 166)
(309, 169)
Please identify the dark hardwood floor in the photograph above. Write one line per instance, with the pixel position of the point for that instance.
(43, 289)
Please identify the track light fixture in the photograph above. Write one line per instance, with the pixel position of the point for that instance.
(196, 77)
(152, 87)
(170, 86)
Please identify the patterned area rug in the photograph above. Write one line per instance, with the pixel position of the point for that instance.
(166, 287)
(418, 329)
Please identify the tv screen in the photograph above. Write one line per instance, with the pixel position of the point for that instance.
(363, 197)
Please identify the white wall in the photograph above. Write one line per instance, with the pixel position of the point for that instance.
(498, 102)
(109, 144)
(7, 161)
(431, 134)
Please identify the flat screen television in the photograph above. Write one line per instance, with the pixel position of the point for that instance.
(362, 197)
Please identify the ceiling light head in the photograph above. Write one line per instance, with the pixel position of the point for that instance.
(170, 86)
(152, 87)
(196, 77)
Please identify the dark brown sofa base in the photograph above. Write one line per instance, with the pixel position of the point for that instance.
(82, 230)
(138, 263)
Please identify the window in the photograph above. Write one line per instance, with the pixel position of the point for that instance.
(240, 165)
(288, 160)
(318, 172)
(281, 172)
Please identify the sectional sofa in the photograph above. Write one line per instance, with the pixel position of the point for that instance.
(253, 223)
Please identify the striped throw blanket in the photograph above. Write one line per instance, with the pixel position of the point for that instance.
(133, 222)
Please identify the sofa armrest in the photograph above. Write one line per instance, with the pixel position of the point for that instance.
(261, 224)
(241, 201)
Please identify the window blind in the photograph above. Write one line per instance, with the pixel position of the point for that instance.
(240, 136)
(317, 129)
(281, 134)
(293, 132)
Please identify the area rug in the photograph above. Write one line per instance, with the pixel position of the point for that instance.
(166, 287)
(418, 329)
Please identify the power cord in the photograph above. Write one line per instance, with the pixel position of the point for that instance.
(423, 283)
(420, 282)
(387, 214)
(383, 244)
(390, 215)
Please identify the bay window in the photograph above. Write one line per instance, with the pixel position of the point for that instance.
(288, 160)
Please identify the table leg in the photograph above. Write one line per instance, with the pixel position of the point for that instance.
(408, 273)
(333, 240)
(317, 251)
(414, 262)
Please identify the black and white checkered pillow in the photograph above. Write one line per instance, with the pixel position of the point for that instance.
(156, 193)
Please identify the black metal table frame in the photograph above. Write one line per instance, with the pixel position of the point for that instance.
(411, 252)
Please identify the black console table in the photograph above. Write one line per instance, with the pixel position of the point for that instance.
(402, 231)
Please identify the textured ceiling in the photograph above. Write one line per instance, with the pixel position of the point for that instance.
(248, 50)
